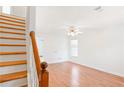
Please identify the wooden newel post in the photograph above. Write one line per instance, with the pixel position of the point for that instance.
(44, 75)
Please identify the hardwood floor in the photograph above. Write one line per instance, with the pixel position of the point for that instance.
(68, 74)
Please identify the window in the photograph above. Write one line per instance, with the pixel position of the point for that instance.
(74, 48)
(6, 9)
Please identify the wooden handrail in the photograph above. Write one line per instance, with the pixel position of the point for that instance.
(36, 54)
(42, 73)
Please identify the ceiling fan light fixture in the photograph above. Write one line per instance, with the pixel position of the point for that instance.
(73, 31)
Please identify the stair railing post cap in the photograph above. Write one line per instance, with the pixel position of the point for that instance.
(44, 65)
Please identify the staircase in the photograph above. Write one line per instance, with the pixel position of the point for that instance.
(13, 65)
(13, 58)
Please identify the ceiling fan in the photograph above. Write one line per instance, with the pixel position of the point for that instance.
(73, 31)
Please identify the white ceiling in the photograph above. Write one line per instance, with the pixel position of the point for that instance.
(57, 19)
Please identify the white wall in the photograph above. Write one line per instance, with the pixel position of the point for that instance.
(54, 40)
(101, 46)
(54, 48)
(0, 8)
